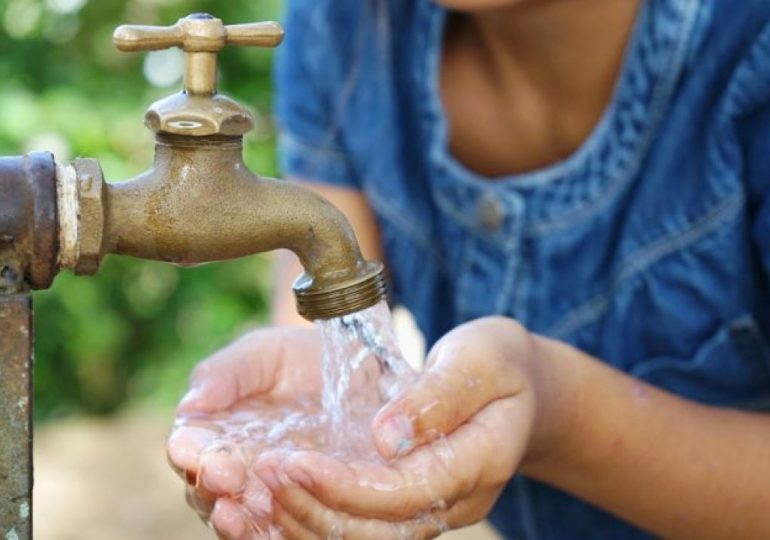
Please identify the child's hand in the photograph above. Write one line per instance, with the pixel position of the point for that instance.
(480, 389)
(272, 365)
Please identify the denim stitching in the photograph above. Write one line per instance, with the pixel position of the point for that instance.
(449, 208)
(463, 306)
(511, 290)
(690, 364)
(744, 94)
(291, 143)
(520, 286)
(674, 242)
(511, 271)
(349, 83)
(311, 163)
(644, 258)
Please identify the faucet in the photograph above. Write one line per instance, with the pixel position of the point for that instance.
(199, 202)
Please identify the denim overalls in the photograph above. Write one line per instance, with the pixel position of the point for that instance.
(648, 248)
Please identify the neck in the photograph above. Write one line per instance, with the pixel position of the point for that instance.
(567, 52)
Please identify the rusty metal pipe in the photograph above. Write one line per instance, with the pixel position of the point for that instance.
(28, 258)
(16, 416)
(28, 222)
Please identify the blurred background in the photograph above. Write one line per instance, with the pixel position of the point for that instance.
(132, 332)
(113, 351)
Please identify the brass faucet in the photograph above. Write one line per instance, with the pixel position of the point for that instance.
(199, 202)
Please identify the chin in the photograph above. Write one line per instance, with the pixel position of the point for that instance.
(478, 5)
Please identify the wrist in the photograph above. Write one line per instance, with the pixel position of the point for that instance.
(556, 380)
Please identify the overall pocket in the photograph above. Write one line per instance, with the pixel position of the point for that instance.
(730, 368)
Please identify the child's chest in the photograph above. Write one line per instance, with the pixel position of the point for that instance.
(504, 118)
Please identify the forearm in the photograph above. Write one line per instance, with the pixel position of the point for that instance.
(672, 466)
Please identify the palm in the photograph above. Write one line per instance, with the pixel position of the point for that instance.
(261, 392)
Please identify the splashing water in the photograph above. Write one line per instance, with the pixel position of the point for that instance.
(362, 368)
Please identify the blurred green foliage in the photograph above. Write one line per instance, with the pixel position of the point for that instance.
(134, 330)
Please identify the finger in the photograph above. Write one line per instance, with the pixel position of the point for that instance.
(257, 501)
(247, 367)
(295, 508)
(185, 445)
(307, 511)
(273, 533)
(468, 369)
(222, 470)
(229, 520)
(200, 501)
(291, 528)
(471, 510)
(482, 452)
(369, 490)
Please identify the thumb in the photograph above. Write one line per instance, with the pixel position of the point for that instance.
(468, 368)
(247, 367)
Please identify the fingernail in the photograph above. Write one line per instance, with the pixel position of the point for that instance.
(222, 472)
(397, 435)
(300, 476)
(185, 446)
(270, 478)
(229, 519)
(260, 502)
(193, 394)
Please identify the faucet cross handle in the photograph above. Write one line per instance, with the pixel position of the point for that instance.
(201, 37)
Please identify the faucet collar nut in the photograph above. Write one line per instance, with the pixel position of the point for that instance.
(186, 114)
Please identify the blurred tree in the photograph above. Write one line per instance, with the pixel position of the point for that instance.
(135, 329)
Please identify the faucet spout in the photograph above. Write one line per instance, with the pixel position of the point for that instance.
(200, 203)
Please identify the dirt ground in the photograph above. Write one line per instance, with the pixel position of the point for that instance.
(108, 480)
